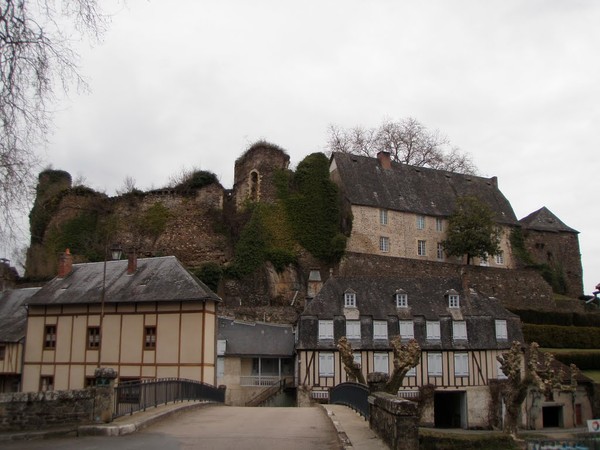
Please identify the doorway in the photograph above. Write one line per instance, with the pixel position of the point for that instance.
(552, 416)
(450, 409)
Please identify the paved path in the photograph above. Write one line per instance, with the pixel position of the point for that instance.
(354, 429)
(214, 427)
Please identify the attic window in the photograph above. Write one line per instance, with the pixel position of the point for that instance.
(349, 299)
(401, 299)
(453, 301)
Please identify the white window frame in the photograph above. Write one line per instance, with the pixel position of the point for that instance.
(353, 329)
(383, 216)
(412, 372)
(221, 346)
(384, 244)
(434, 364)
(381, 362)
(406, 329)
(357, 357)
(380, 329)
(349, 300)
(433, 330)
(421, 247)
(401, 300)
(420, 222)
(459, 330)
(453, 301)
(440, 251)
(220, 367)
(325, 329)
(439, 224)
(326, 364)
(500, 258)
(461, 364)
(501, 330)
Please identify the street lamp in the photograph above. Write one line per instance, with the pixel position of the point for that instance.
(115, 253)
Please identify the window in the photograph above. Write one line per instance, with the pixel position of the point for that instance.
(50, 337)
(434, 364)
(326, 364)
(433, 330)
(357, 358)
(384, 244)
(439, 224)
(221, 346)
(380, 329)
(500, 258)
(383, 216)
(149, 338)
(501, 332)
(220, 367)
(401, 300)
(380, 362)
(407, 329)
(353, 329)
(459, 329)
(349, 300)
(420, 222)
(461, 364)
(421, 249)
(325, 329)
(484, 261)
(2, 352)
(440, 251)
(93, 338)
(90, 381)
(46, 383)
(499, 371)
(412, 372)
(453, 301)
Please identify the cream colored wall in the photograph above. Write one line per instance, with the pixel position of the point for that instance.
(403, 235)
(185, 345)
(13, 354)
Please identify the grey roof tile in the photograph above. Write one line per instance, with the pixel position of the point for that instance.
(256, 338)
(13, 314)
(544, 220)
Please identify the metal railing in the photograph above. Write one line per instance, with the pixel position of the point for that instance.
(272, 390)
(132, 396)
(354, 395)
(259, 380)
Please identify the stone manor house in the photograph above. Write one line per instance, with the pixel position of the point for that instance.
(160, 321)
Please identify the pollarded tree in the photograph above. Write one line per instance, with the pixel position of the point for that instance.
(407, 140)
(350, 366)
(406, 356)
(36, 56)
(472, 230)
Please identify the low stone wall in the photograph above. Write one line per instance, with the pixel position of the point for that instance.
(394, 420)
(32, 410)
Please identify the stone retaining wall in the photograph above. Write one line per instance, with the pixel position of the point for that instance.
(394, 420)
(33, 410)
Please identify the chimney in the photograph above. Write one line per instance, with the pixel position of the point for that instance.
(131, 262)
(65, 264)
(464, 278)
(384, 160)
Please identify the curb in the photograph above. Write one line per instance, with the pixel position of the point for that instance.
(112, 429)
(342, 436)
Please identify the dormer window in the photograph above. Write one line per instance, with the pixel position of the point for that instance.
(401, 299)
(453, 299)
(350, 299)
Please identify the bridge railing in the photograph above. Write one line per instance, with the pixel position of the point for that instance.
(132, 396)
(354, 395)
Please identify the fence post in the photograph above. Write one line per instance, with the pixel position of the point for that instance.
(104, 394)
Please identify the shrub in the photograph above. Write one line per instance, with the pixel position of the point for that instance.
(556, 336)
(583, 360)
(210, 274)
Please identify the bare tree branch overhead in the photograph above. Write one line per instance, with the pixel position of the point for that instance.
(36, 57)
(407, 140)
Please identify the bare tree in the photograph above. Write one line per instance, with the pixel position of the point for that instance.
(128, 186)
(352, 368)
(406, 356)
(407, 140)
(36, 57)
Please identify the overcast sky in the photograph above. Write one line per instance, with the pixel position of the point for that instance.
(192, 83)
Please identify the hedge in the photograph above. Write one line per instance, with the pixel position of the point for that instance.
(556, 336)
(558, 318)
(583, 360)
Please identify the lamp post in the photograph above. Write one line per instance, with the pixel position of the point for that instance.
(115, 253)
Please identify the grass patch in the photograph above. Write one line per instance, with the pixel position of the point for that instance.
(593, 374)
(569, 350)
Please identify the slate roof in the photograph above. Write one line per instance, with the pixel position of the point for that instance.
(161, 279)
(13, 314)
(427, 300)
(544, 220)
(256, 338)
(416, 189)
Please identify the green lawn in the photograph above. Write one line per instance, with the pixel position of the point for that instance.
(593, 374)
(570, 350)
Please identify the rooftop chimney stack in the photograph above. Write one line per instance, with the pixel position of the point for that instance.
(384, 160)
(65, 264)
(131, 262)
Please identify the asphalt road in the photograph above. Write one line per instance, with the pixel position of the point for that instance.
(214, 427)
